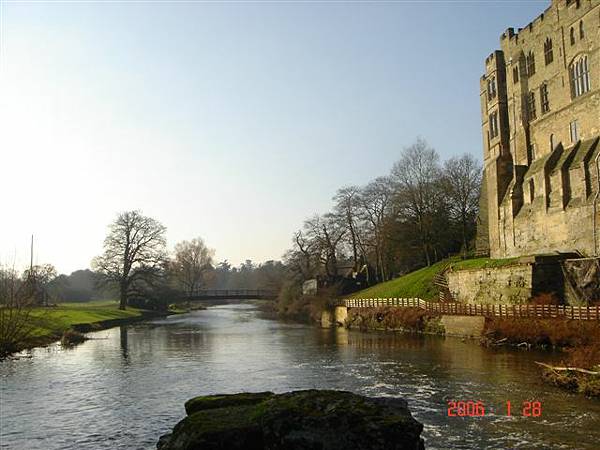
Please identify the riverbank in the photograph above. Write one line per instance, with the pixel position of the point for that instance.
(49, 324)
(579, 340)
(414, 320)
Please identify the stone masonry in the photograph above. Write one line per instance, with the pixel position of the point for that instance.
(540, 103)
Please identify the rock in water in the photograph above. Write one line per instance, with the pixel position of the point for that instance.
(299, 420)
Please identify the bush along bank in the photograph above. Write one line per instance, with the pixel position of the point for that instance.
(414, 320)
(578, 339)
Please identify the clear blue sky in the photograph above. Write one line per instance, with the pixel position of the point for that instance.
(229, 121)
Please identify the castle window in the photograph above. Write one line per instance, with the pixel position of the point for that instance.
(494, 125)
(531, 106)
(581, 30)
(580, 77)
(544, 98)
(531, 191)
(573, 131)
(551, 142)
(548, 55)
(530, 63)
(572, 36)
(516, 74)
(491, 88)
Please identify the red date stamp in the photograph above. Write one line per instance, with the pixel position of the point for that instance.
(473, 408)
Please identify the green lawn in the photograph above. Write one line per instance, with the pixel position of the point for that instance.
(55, 320)
(420, 282)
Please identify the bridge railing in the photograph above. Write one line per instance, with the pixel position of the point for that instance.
(224, 293)
(465, 309)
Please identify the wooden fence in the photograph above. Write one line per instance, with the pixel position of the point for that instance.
(463, 309)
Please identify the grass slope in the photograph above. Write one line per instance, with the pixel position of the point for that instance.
(53, 321)
(420, 282)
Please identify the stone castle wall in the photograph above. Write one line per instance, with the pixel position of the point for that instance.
(513, 284)
(541, 137)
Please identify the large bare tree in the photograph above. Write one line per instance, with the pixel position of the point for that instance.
(347, 203)
(193, 259)
(418, 179)
(462, 183)
(325, 234)
(134, 248)
(375, 204)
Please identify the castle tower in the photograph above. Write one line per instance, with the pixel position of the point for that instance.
(540, 104)
(497, 160)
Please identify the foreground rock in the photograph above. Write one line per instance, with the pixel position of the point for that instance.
(299, 420)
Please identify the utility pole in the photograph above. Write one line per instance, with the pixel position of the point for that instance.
(31, 257)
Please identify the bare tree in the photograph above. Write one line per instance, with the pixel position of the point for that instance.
(16, 304)
(462, 183)
(418, 175)
(36, 279)
(325, 234)
(193, 259)
(375, 201)
(347, 203)
(135, 247)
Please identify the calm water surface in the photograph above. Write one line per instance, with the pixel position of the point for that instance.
(127, 386)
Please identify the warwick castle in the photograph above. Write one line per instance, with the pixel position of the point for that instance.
(540, 107)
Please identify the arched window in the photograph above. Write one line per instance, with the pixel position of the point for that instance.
(530, 63)
(544, 98)
(491, 88)
(581, 30)
(531, 115)
(548, 55)
(580, 77)
(494, 130)
(572, 36)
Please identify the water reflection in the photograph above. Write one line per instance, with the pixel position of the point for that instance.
(127, 387)
(123, 341)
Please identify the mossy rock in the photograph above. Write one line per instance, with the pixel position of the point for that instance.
(312, 419)
(223, 400)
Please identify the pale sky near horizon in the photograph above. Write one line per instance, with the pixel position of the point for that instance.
(229, 121)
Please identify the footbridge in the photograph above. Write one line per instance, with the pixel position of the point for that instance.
(232, 294)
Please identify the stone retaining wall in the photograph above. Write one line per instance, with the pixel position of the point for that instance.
(497, 285)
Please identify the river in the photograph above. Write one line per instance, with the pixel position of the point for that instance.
(127, 386)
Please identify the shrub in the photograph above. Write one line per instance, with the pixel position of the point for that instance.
(16, 303)
(389, 318)
(554, 332)
(72, 337)
(580, 338)
(292, 304)
(546, 298)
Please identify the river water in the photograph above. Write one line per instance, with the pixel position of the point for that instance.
(127, 386)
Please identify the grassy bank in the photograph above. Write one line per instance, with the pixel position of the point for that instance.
(48, 324)
(420, 282)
